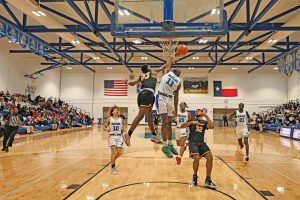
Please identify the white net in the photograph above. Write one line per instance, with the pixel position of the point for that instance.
(169, 47)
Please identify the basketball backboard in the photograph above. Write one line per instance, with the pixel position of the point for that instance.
(169, 18)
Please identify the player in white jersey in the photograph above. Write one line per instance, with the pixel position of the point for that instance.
(242, 118)
(168, 92)
(115, 126)
(182, 133)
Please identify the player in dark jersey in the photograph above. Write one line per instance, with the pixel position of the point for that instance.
(146, 98)
(198, 148)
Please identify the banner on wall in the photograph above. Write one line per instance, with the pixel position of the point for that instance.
(18, 37)
(289, 63)
(195, 85)
(30, 88)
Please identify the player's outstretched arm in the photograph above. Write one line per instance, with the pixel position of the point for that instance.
(210, 124)
(189, 115)
(132, 83)
(106, 125)
(123, 126)
(248, 117)
(233, 115)
(166, 66)
(176, 98)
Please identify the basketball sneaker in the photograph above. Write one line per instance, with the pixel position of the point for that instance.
(167, 152)
(195, 180)
(172, 149)
(178, 160)
(246, 160)
(114, 171)
(156, 139)
(209, 184)
(126, 139)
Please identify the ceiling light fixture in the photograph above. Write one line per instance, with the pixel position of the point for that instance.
(202, 41)
(121, 12)
(126, 12)
(96, 58)
(234, 68)
(39, 13)
(75, 41)
(136, 41)
(144, 58)
(191, 67)
(213, 11)
(69, 68)
(276, 68)
(109, 68)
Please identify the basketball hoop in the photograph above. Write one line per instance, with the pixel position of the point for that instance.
(169, 46)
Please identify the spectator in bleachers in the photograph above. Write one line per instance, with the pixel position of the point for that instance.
(53, 123)
(259, 123)
(28, 125)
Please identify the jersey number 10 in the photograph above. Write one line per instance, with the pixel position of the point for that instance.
(116, 128)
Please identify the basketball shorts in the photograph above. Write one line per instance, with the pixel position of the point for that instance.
(146, 99)
(198, 148)
(165, 105)
(181, 132)
(116, 140)
(241, 133)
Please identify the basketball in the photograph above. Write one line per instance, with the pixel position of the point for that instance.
(181, 50)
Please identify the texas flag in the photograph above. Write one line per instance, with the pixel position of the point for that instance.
(221, 92)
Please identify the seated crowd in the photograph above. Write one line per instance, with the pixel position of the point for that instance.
(283, 115)
(41, 114)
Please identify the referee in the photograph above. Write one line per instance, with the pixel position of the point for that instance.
(11, 128)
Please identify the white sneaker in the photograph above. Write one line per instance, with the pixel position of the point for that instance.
(114, 171)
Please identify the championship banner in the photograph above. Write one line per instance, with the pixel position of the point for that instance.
(41, 50)
(12, 35)
(297, 57)
(33, 45)
(195, 85)
(24, 40)
(30, 89)
(3, 29)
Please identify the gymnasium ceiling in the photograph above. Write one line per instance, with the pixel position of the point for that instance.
(281, 19)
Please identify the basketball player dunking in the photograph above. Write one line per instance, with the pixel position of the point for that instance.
(115, 126)
(146, 98)
(168, 92)
(198, 148)
(242, 117)
(182, 133)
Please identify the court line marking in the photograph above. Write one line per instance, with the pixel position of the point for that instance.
(153, 182)
(74, 191)
(243, 178)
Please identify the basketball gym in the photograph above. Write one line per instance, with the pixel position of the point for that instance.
(73, 81)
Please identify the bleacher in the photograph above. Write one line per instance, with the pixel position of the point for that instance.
(43, 112)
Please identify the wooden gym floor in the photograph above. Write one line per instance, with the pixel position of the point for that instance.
(76, 165)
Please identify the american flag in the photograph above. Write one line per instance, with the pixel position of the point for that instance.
(115, 88)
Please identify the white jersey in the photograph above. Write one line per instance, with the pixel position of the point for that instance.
(115, 126)
(181, 118)
(169, 83)
(241, 120)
